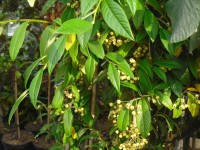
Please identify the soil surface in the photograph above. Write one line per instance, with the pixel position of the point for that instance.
(42, 142)
(34, 126)
(11, 138)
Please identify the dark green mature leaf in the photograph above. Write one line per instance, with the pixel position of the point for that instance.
(47, 5)
(144, 81)
(68, 14)
(130, 85)
(74, 26)
(123, 120)
(58, 98)
(55, 53)
(160, 73)
(151, 25)
(165, 39)
(168, 63)
(176, 86)
(156, 5)
(86, 6)
(68, 121)
(28, 70)
(182, 75)
(139, 14)
(114, 77)
(17, 40)
(185, 17)
(35, 87)
(194, 40)
(146, 67)
(165, 100)
(90, 66)
(121, 63)
(193, 67)
(143, 118)
(16, 105)
(97, 49)
(116, 18)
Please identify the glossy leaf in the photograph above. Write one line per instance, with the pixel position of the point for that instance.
(58, 98)
(55, 53)
(68, 121)
(74, 26)
(123, 120)
(185, 16)
(143, 118)
(84, 38)
(165, 100)
(160, 73)
(116, 18)
(177, 113)
(130, 85)
(90, 66)
(132, 6)
(165, 39)
(146, 67)
(31, 2)
(192, 105)
(168, 63)
(48, 4)
(151, 25)
(70, 40)
(17, 40)
(16, 105)
(114, 77)
(35, 87)
(87, 5)
(175, 86)
(97, 49)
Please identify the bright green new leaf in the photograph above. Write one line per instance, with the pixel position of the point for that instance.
(184, 16)
(121, 63)
(1, 29)
(151, 25)
(35, 87)
(97, 49)
(47, 5)
(165, 39)
(90, 66)
(160, 73)
(192, 105)
(114, 77)
(17, 40)
(73, 52)
(87, 5)
(84, 38)
(132, 6)
(55, 53)
(177, 112)
(76, 93)
(16, 105)
(58, 98)
(28, 70)
(143, 118)
(125, 49)
(31, 2)
(68, 121)
(165, 100)
(123, 120)
(139, 14)
(146, 67)
(116, 18)
(74, 26)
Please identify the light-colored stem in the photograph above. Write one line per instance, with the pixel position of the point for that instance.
(49, 100)
(26, 20)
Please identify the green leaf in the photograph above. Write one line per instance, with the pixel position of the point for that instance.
(35, 87)
(123, 120)
(165, 39)
(168, 63)
(17, 40)
(68, 14)
(139, 14)
(156, 5)
(193, 67)
(58, 98)
(132, 6)
(74, 26)
(47, 5)
(68, 121)
(144, 81)
(130, 85)
(125, 49)
(182, 75)
(184, 16)
(116, 18)
(160, 73)
(175, 86)
(177, 113)
(114, 77)
(194, 40)
(97, 49)
(31, 2)
(28, 70)
(86, 6)
(90, 66)
(143, 118)
(73, 51)
(165, 100)
(192, 105)
(146, 67)
(151, 25)
(84, 38)
(121, 63)
(16, 105)
(76, 93)
(55, 53)
(1, 30)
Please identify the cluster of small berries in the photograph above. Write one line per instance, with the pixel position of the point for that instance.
(142, 51)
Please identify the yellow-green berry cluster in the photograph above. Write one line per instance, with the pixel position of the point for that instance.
(142, 51)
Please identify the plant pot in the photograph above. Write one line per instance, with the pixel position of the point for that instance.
(34, 126)
(41, 143)
(10, 141)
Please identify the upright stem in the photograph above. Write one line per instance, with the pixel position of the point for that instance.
(15, 97)
(49, 99)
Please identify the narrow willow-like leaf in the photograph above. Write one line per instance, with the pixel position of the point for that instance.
(55, 53)
(35, 87)
(74, 26)
(151, 25)
(130, 85)
(31, 2)
(168, 63)
(47, 5)
(17, 40)
(68, 121)
(123, 120)
(116, 18)
(86, 6)
(114, 77)
(97, 49)
(146, 67)
(90, 66)
(58, 98)
(16, 105)
(165, 39)
(143, 118)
